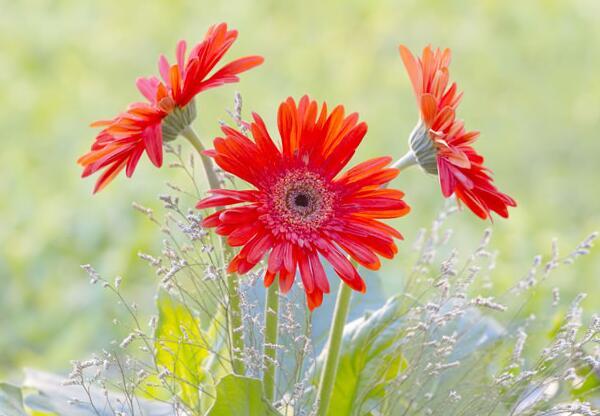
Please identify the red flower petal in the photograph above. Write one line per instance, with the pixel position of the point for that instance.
(222, 197)
(152, 136)
(344, 269)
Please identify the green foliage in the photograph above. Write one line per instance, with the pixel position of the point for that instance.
(590, 383)
(370, 358)
(181, 348)
(46, 395)
(196, 359)
(375, 353)
(240, 396)
(218, 364)
(11, 401)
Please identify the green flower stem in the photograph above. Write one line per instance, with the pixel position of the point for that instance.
(334, 345)
(270, 349)
(236, 333)
(235, 315)
(405, 161)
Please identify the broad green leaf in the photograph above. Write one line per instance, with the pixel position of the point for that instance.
(591, 382)
(240, 396)
(478, 332)
(476, 348)
(11, 401)
(218, 363)
(49, 397)
(181, 348)
(366, 361)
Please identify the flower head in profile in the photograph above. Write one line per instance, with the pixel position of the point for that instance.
(169, 108)
(440, 144)
(302, 209)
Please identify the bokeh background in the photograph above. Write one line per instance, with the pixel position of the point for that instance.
(529, 70)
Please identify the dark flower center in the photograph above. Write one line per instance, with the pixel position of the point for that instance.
(301, 200)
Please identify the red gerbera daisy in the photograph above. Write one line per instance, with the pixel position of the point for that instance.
(440, 143)
(169, 110)
(302, 208)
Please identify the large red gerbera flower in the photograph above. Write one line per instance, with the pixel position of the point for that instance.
(302, 208)
(440, 143)
(170, 107)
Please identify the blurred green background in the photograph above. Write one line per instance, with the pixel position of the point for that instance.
(529, 71)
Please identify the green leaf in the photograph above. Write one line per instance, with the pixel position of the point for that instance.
(366, 361)
(591, 383)
(182, 347)
(218, 364)
(50, 397)
(240, 396)
(11, 400)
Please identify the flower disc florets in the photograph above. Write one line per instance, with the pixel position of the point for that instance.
(300, 202)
